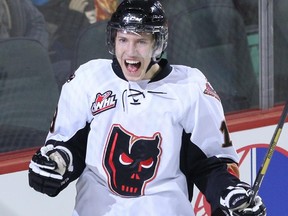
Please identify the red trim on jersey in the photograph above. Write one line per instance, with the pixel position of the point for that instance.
(111, 159)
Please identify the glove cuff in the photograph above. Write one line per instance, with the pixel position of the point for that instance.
(235, 197)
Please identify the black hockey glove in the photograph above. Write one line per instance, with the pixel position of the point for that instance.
(236, 201)
(49, 169)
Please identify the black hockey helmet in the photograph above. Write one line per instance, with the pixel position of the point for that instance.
(139, 16)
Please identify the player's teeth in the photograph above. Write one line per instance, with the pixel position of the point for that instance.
(132, 62)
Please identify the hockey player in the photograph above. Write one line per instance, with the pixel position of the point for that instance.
(139, 132)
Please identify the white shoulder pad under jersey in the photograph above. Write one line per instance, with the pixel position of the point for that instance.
(204, 117)
(73, 110)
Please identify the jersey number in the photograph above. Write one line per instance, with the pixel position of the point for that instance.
(224, 130)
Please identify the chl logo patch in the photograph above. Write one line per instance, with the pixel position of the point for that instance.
(103, 102)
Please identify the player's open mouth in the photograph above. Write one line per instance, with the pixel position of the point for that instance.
(132, 66)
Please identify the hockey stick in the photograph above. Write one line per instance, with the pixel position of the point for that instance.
(263, 169)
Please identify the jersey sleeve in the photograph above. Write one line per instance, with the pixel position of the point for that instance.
(205, 120)
(207, 149)
(73, 110)
(71, 123)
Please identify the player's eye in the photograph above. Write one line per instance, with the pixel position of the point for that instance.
(147, 163)
(125, 159)
(122, 39)
(142, 42)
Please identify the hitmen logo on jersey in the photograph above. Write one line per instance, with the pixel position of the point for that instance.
(130, 161)
(103, 102)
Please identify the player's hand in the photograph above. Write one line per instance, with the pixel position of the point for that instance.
(236, 201)
(49, 169)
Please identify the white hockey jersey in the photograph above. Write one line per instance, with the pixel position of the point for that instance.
(133, 148)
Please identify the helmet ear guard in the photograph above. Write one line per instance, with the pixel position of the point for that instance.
(139, 16)
(161, 44)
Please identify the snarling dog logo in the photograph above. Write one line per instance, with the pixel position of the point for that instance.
(130, 161)
(103, 102)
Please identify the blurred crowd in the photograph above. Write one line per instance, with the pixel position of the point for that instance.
(56, 24)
